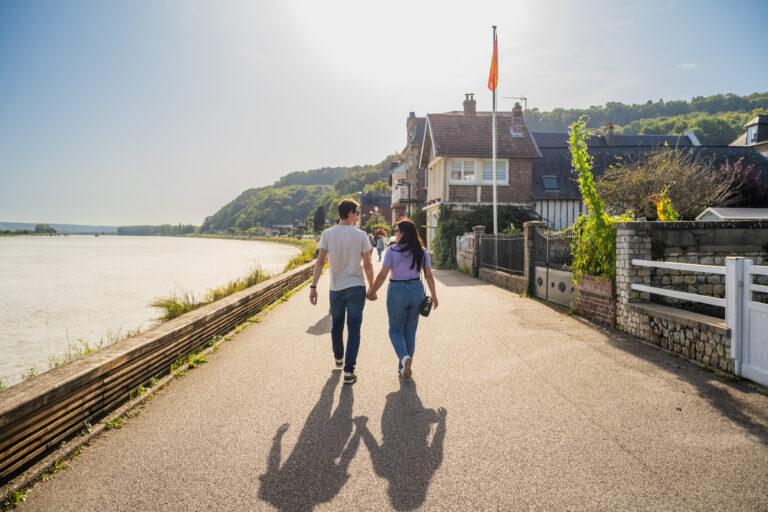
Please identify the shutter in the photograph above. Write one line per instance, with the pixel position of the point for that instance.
(501, 171)
(487, 170)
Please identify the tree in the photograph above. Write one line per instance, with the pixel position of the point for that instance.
(44, 228)
(318, 221)
(375, 221)
(693, 184)
(379, 186)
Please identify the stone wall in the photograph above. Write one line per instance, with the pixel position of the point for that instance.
(692, 339)
(517, 284)
(705, 243)
(594, 300)
(703, 338)
(465, 251)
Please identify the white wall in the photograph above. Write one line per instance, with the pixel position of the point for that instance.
(559, 213)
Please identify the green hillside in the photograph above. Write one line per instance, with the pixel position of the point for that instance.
(295, 196)
(716, 120)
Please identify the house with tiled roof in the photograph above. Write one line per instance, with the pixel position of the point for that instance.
(534, 168)
(556, 191)
(456, 153)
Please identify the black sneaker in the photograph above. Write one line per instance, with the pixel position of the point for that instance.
(350, 378)
(339, 362)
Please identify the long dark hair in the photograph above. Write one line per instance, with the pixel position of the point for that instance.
(410, 240)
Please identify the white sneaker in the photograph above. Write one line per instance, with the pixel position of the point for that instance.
(339, 362)
(406, 370)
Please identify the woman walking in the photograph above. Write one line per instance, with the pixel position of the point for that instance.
(380, 245)
(404, 262)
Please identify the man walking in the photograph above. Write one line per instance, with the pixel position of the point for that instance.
(349, 252)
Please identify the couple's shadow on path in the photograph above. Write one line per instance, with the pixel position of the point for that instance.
(321, 327)
(317, 468)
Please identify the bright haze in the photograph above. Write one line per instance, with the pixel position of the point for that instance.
(131, 112)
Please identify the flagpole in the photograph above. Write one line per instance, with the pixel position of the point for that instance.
(493, 171)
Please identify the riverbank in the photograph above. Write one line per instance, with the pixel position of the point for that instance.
(65, 296)
(307, 245)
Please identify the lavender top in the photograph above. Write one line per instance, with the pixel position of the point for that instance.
(399, 261)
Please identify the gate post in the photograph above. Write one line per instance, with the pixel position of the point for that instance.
(529, 267)
(734, 306)
(479, 231)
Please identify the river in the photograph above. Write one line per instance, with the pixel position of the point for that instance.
(55, 291)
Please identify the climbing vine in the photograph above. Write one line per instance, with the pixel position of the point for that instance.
(594, 234)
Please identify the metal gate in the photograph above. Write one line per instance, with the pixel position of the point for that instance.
(504, 253)
(552, 260)
(748, 319)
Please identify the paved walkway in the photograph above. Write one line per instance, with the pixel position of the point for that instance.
(513, 406)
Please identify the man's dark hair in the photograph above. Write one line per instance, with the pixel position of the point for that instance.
(347, 206)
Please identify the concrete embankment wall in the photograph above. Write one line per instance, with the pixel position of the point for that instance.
(38, 415)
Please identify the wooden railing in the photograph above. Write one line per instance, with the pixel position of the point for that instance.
(38, 415)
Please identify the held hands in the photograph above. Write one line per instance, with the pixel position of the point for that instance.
(313, 296)
(371, 295)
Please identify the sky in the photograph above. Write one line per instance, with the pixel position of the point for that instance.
(150, 112)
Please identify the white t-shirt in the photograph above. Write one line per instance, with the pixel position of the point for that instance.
(346, 246)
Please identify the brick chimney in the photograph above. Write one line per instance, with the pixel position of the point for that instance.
(470, 105)
(517, 110)
(608, 133)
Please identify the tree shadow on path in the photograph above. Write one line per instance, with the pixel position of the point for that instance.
(311, 474)
(406, 458)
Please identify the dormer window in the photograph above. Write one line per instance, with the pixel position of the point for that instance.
(516, 132)
(752, 135)
(550, 183)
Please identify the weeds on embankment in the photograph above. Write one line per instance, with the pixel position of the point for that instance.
(176, 304)
(308, 248)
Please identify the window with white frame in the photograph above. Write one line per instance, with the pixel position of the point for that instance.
(502, 171)
(751, 134)
(461, 171)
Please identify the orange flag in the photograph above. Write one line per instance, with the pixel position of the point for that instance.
(493, 77)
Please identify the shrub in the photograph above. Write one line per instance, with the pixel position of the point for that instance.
(664, 209)
(691, 182)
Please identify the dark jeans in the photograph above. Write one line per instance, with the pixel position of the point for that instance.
(349, 302)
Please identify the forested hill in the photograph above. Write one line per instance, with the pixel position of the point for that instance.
(296, 196)
(716, 120)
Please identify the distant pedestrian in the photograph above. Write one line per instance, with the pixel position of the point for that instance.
(380, 245)
(404, 262)
(349, 251)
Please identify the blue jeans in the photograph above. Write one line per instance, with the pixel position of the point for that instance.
(403, 301)
(349, 302)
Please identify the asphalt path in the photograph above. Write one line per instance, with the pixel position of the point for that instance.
(513, 405)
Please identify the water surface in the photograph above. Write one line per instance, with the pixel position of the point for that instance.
(55, 291)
